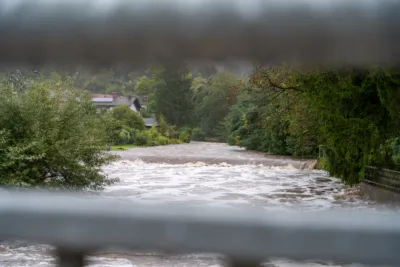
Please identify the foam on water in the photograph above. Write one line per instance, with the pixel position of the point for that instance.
(204, 184)
(228, 185)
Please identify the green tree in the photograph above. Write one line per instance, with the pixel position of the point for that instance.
(212, 100)
(358, 116)
(173, 95)
(98, 82)
(352, 112)
(145, 86)
(127, 117)
(50, 137)
(272, 116)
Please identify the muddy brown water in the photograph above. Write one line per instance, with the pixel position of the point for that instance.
(205, 174)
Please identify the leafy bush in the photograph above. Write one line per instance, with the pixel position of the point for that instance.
(396, 160)
(322, 164)
(152, 138)
(153, 133)
(112, 128)
(175, 141)
(164, 127)
(141, 138)
(47, 143)
(186, 129)
(124, 136)
(198, 135)
(162, 140)
(395, 145)
(184, 136)
(127, 117)
(232, 140)
(125, 127)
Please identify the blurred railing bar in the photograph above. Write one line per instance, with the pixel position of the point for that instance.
(102, 32)
(77, 225)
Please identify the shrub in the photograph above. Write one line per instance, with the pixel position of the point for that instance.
(141, 138)
(152, 138)
(184, 136)
(232, 140)
(124, 137)
(162, 140)
(198, 135)
(153, 133)
(45, 143)
(395, 147)
(128, 117)
(175, 141)
(164, 127)
(186, 129)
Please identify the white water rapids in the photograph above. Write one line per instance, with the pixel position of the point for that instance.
(270, 187)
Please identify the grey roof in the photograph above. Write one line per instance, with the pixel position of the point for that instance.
(149, 122)
(102, 99)
(120, 100)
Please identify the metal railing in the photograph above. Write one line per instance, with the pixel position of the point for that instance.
(141, 31)
(78, 225)
(137, 32)
(383, 178)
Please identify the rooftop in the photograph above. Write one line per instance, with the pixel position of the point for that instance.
(102, 99)
(114, 100)
(149, 122)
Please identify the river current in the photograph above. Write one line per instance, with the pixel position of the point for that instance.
(204, 174)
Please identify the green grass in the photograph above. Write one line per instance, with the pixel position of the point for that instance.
(122, 147)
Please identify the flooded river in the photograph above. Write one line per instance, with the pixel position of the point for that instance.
(205, 174)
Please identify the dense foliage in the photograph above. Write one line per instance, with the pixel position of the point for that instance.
(50, 136)
(357, 117)
(347, 117)
(352, 115)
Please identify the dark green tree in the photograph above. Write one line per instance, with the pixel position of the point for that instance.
(50, 136)
(213, 99)
(358, 116)
(127, 117)
(173, 95)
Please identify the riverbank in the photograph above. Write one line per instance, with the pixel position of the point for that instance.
(122, 147)
(210, 153)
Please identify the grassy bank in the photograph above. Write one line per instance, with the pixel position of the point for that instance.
(122, 147)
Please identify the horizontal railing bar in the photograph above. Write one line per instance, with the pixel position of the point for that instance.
(82, 223)
(381, 185)
(141, 31)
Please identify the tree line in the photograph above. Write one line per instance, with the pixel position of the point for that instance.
(348, 117)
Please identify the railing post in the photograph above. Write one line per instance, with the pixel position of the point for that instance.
(69, 258)
(235, 262)
(77, 225)
(140, 32)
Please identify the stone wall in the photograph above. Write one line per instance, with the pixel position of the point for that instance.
(381, 185)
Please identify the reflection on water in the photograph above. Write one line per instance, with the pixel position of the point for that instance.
(202, 184)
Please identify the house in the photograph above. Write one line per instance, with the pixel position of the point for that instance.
(150, 122)
(108, 101)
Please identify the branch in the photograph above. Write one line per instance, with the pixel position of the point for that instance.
(278, 94)
(271, 96)
(277, 86)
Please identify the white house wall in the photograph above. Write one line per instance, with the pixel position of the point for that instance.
(133, 107)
